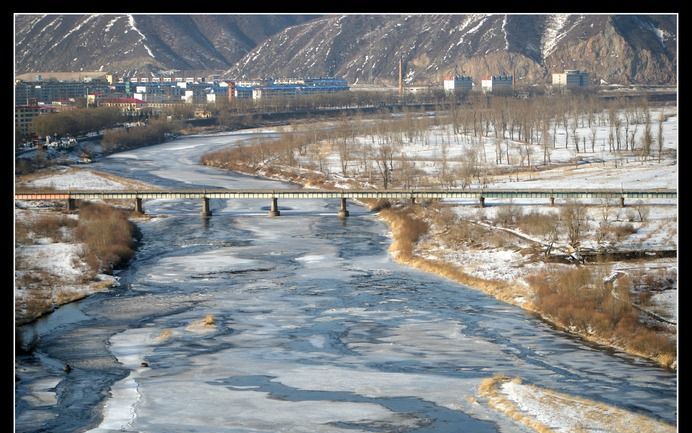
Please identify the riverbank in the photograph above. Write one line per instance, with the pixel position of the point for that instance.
(57, 258)
(432, 251)
(549, 411)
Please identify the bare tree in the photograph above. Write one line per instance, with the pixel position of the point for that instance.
(573, 218)
(575, 137)
(647, 138)
(565, 120)
(661, 119)
(384, 158)
(642, 210)
(545, 138)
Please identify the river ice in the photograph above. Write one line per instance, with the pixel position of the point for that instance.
(301, 323)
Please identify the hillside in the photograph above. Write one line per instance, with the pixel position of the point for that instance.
(129, 44)
(366, 49)
(361, 48)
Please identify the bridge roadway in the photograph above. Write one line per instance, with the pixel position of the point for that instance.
(411, 194)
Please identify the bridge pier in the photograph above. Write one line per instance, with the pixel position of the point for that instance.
(138, 205)
(552, 201)
(622, 201)
(343, 213)
(274, 211)
(205, 207)
(481, 199)
(71, 204)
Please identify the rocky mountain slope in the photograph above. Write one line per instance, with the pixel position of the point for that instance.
(366, 49)
(129, 44)
(361, 48)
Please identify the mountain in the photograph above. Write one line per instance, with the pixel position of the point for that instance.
(366, 48)
(136, 44)
(361, 48)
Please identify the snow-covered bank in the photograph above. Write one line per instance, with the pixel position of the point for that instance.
(549, 411)
(52, 270)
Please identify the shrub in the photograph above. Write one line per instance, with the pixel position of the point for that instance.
(621, 231)
(107, 234)
(507, 215)
(537, 223)
(578, 298)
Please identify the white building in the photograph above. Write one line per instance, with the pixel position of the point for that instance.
(571, 78)
(458, 83)
(497, 83)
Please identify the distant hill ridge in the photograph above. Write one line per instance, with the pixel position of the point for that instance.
(363, 49)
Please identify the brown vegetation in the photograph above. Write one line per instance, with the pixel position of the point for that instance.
(75, 122)
(107, 234)
(578, 299)
(125, 138)
(56, 227)
(592, 415)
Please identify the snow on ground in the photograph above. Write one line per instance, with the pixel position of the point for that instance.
(563, 413)
(58, 263)
(59, 259)
(75, 179)
(599, 168)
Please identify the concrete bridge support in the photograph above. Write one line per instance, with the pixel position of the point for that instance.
(343, 213)
(71, 204)
(274, 211)
(205, 207)
(138, 205)
(481, 199)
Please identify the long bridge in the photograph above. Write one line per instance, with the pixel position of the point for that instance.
(204, 195)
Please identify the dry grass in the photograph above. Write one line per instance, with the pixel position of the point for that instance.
(577, 299)
(57, 227)
(408, 230)
(593, 415)
(489, 388)
(107, 234)
(537, 223)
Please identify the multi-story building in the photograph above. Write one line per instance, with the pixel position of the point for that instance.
(497, 83)
(25, 114)
(126, 105)
(289, 87)
(458, 83)
(27, 92)
(571, 79)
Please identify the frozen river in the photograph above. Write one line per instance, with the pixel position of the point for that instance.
(300, 323)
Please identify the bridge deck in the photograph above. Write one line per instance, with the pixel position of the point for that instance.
(352, 194)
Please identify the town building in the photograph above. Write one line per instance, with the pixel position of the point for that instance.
(25, 114)
(458, 83)
(32, 92)
(571, 79)
(128, 106)
(497, 84)
(289, 87)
